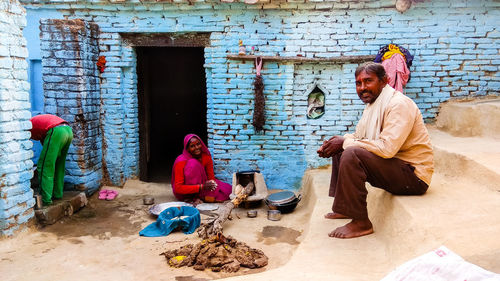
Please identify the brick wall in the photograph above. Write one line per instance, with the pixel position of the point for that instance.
(455, 43)
(119, 111)
(342, 105)
(16, 196)
(72, 92)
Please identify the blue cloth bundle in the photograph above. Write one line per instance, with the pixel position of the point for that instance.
(188, 218)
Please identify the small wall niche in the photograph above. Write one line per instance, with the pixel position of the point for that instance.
(315, 101)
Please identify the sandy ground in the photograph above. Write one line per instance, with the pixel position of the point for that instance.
(460, 211)
(101, 241)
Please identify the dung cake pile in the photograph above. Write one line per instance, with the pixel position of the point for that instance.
(218, 253)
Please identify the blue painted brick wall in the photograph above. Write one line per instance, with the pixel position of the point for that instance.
(455, 43)
(72, 92)
(16, 196)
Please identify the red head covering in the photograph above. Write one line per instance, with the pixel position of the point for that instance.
(185, 153)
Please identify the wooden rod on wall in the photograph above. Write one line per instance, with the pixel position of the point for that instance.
(298, 59)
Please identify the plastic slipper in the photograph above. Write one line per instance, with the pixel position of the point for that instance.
(111, 195)
(103, 194)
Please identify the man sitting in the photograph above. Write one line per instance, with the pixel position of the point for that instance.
(390, 149)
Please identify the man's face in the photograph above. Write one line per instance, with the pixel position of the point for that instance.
(369, 86)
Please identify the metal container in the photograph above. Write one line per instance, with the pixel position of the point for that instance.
(273, 215)
(158, 208)
(282, 197)
(252, 213)
(285, 201)
(148, 200)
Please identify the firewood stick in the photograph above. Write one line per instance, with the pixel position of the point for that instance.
(214, 227)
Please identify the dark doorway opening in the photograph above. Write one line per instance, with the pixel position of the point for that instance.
(172, 103)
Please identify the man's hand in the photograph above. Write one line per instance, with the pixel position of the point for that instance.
(209, 185)
(331, 147)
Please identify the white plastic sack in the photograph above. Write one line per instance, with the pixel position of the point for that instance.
(440, 265)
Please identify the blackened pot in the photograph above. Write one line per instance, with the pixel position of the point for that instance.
(286, 207)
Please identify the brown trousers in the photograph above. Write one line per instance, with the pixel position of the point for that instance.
(355, 166)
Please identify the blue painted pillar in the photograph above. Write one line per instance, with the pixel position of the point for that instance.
(69, 51)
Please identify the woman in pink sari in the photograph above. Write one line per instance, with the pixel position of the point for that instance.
(193, 176)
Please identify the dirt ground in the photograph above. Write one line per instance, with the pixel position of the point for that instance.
(102, 242)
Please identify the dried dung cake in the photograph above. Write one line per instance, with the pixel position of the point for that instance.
(218, 253)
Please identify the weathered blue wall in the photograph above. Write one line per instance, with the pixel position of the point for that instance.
(72, 92)
(455, 43)
(32, 35)
(16, 196)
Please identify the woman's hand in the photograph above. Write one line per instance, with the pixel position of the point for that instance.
(209, 185)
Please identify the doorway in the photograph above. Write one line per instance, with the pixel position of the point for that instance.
(172, 103)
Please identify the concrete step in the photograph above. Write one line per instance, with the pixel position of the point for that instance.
(470, 118)
(460, 211)
(71, 202)
(475, 158)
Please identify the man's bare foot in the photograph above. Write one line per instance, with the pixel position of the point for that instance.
(355, 228)
(333, 216)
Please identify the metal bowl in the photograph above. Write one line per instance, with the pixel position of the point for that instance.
(252, 213)
(158, 208)
(273, 215)
(281, 197)
(148, 200)
(286, 207)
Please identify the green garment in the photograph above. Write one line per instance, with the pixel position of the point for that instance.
(52, 162)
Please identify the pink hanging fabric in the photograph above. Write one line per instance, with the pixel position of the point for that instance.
(258, 65)
(397, 71)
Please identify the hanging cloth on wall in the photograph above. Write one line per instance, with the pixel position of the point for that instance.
(397, 72)
(393, 49)
(396, 61)
(259, 116)
(384, 49)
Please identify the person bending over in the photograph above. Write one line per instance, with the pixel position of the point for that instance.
(193, 178)
(390, 149)
(55, 135)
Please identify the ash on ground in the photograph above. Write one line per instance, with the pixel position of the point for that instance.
(218, 253)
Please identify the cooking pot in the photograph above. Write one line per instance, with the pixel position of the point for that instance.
(284, 201)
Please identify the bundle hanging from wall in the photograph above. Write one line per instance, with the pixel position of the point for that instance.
(396, 61)
(259, 115)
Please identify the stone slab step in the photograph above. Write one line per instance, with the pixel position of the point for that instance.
(71, 202)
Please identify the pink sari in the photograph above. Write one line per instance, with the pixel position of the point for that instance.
(194, 173)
